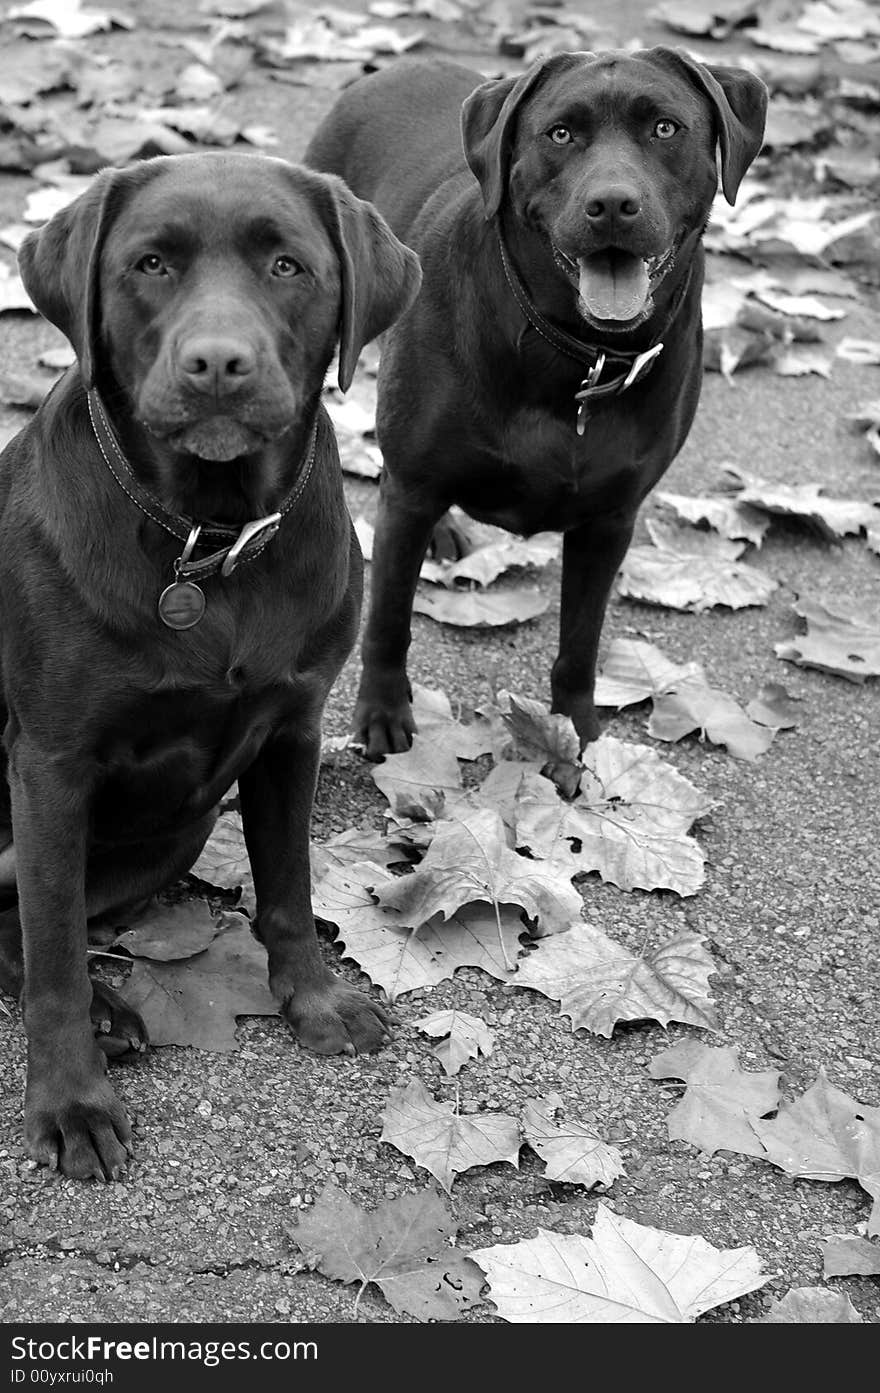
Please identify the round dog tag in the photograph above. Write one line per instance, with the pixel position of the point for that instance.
(181, 604)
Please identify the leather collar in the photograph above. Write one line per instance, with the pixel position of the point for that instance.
(233, 544)
(598, 358)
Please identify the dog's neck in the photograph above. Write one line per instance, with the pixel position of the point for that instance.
(231, 492)
(555, 298)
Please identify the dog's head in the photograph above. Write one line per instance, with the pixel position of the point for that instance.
(213, 289)
(612, 158)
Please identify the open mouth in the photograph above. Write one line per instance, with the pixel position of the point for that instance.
(615, 287)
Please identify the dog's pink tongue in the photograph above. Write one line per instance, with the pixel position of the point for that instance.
(613, 285)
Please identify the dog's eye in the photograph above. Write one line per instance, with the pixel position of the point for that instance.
(285, 266)
(666, 129)
(152, 265)
(560, 135)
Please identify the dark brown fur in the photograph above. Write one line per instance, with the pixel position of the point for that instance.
(475, 408)
(120, 734)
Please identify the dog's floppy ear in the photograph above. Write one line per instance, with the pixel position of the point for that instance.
(380, 276)
(59, 267)
(488, 119)
(739, 101)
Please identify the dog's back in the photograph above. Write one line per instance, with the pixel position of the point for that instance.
(395, 136)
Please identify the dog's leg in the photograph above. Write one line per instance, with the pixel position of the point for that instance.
(326, 1014)
(383, 711)
(73, 1120)
(115, 877)
(591, 556)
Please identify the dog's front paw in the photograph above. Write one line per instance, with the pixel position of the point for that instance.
(336, 1019)
(76, 1124)
(385, 727)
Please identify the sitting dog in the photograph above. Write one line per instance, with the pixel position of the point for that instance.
(179, 586)
(549, 371)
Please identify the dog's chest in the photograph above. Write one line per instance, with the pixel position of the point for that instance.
(541, 475)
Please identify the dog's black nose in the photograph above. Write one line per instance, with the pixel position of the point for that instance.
(618, 203)
(217, 365)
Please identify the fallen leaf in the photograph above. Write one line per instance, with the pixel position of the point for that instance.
(13, 295)
(422, 783)
(599, 983)
(224, 861)
(469, 861)
(403, 1246)
(774, 707)
(629, 822)
(695, 706)
(826, 1135)
(801, 362)
(865, 352)
(550, 739)
(486, 609)
(443, 1141)
(727, 516)
(434, 718)
(626, 1273)
(468, 1037)
(485, 563)
(635, 670)
(833, 518)
(806, 305)
(720, 1101)
(691, 570)
(843, 637)
(67, 19)
(807, 1305)
(573, 1153)
(170, 932)
(196, 1002)
(848, 1255)
(401, 960)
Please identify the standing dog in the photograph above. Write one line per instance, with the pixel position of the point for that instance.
(550, 369)
(179, 585)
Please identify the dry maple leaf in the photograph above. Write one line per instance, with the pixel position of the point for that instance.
(832, 518)
(485, 563)
(224, 861)
(471, 609)
(443, 1141)
(400, 959)
(599, 983)
(470, 862)
(843, 637)
(826, 1135)
(167, 933)
(695, 706)
(848, 1255)
(423, 783)
(403, 1246)
(468, 1037)
(691, 570)
(626, 1273)
(196, 1002)
(545, 737)
(432, 712)
(721, 1100)
(725, 515)
(629, 822)
(807, 1305)
(635, 670)
(573, 1153)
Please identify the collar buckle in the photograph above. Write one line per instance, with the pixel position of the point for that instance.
(266, 526)
(641, 365)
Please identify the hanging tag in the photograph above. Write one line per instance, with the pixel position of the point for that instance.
(182, 603)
